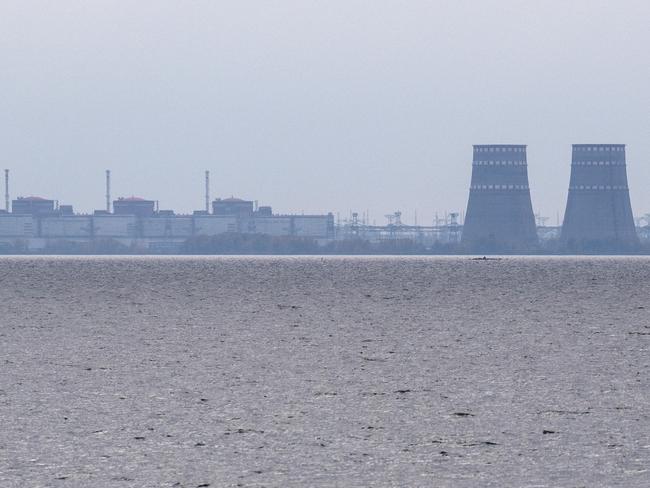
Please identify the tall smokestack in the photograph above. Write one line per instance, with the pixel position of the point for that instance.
(108, 190)
(7, 191)
(598, 214)
(207, 191)
(499, 215)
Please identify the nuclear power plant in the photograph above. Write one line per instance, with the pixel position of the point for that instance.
(499, 217)
(598, 214)
(34, 223)
(499, 213)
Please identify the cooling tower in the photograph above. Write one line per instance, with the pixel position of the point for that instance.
(598, 216)
(499, 215)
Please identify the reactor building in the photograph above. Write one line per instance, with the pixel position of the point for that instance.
(499, 215)
(598, 216)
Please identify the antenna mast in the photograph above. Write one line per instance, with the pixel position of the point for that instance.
(108, 190)
(7, 190)
(207, 191)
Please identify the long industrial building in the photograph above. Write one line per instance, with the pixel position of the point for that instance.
(499, 214)
(135, 222)
(598, 214)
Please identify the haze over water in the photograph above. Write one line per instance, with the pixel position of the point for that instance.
(239, 371)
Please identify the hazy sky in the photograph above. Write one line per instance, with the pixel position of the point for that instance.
(316, 106)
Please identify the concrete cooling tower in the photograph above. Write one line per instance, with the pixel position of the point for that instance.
(499, 215)
(598, 216)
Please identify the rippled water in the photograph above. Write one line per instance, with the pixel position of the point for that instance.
(186, 372)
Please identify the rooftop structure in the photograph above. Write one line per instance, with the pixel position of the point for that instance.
(233, 207)
(32, 206)
(499, 215)
(598, 214)
(134, 206)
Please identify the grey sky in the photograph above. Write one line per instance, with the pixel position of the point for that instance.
(316, 106)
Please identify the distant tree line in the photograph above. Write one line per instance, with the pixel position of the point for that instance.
(250, 244)
(96, 246)
(265, 244)
(232, 243)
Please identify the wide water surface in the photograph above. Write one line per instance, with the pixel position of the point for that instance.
(240, 371)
